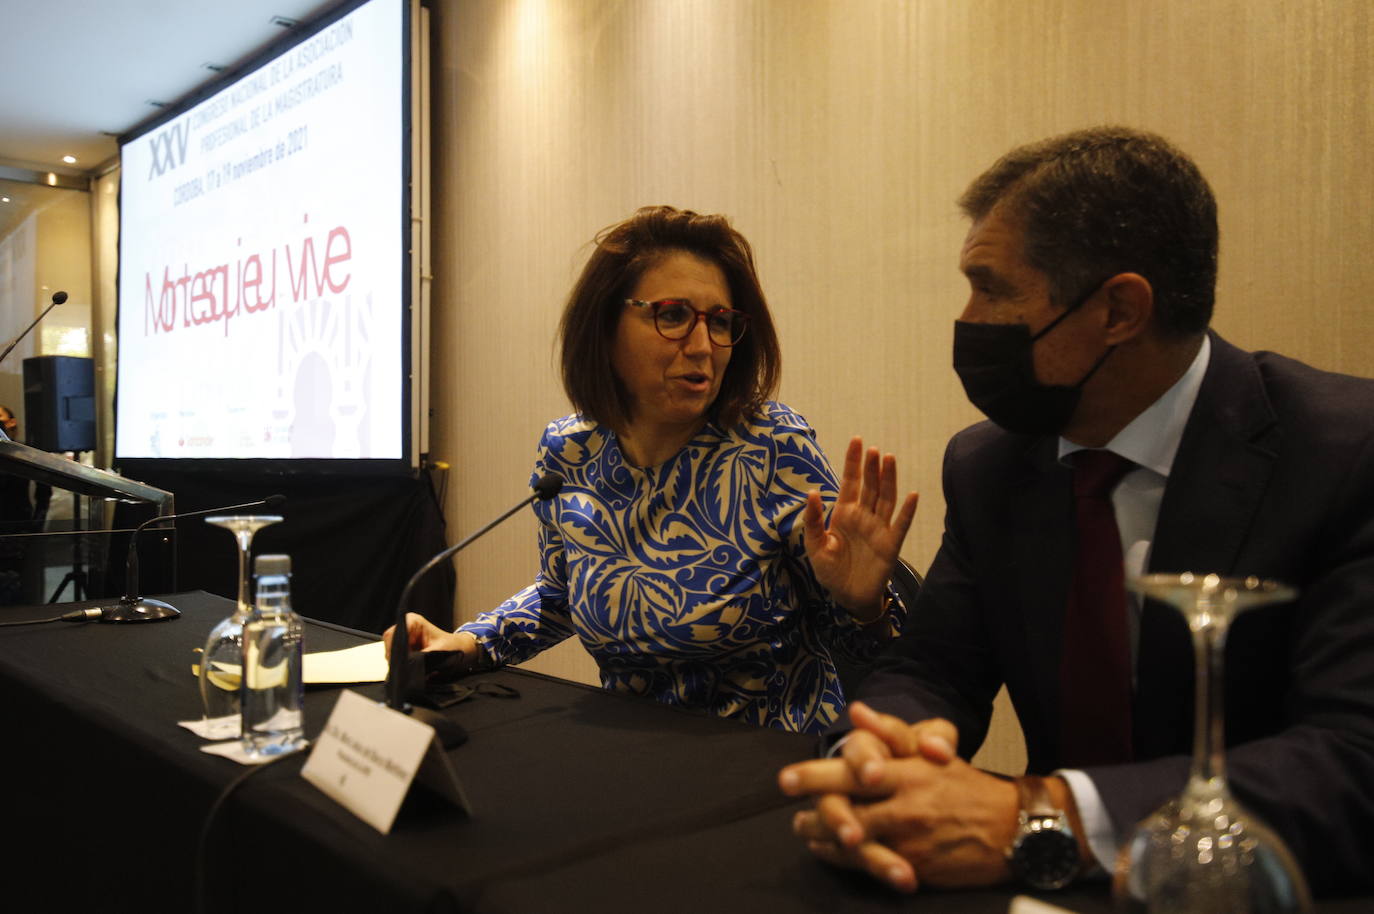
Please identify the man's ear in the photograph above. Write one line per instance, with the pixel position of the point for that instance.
(1130, 303)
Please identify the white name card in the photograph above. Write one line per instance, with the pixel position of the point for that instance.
(368, 755)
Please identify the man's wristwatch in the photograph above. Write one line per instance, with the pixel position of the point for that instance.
(1044, 854)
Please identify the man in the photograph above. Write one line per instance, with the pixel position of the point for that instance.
(1092, 262)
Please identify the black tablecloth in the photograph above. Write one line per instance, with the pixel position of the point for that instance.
(583, 800)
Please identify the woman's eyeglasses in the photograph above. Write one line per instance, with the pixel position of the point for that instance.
(676, 318)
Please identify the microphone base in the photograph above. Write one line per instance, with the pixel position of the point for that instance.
(138, 609)
(448, 733)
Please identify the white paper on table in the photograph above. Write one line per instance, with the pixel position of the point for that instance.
(363, 663)
(227, 727)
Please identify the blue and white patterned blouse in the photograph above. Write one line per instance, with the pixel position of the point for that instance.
(688, 581)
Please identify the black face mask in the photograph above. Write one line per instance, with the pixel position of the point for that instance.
(996, 365)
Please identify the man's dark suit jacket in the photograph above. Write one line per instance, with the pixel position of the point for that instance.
(1274, 477)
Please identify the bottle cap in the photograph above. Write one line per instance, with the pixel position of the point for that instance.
(272, 564)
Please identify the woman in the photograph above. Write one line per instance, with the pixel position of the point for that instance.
(687, 549)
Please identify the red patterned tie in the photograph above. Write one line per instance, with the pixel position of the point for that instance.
(1095, 673)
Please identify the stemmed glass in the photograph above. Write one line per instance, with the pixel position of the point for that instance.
(221, 664)
(1202, 852)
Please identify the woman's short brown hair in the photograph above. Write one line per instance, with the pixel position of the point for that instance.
(623, 252)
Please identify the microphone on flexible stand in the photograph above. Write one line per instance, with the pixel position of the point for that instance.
(131, 607)
(449, 733)
(57, 299)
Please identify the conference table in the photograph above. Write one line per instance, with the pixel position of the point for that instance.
(583, 800)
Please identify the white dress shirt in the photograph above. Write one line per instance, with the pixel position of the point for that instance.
(1150, 441)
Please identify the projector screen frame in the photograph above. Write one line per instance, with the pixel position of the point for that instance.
(413, 281)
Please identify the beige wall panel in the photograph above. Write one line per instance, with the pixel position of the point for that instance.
(64, 264)
(48, 252)
(837, 134)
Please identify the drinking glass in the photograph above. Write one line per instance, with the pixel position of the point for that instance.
(221, 665)
(1202, 852)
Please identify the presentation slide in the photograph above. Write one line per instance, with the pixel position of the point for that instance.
(262, 259)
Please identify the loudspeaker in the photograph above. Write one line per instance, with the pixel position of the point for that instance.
(59, 403)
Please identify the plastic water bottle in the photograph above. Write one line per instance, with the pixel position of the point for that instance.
(273, 689)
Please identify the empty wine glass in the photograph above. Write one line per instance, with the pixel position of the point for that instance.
(1202, 852)
(221, 665)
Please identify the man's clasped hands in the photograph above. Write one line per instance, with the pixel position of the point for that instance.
(895, 800)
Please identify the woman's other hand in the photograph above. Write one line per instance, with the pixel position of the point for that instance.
(424, 635)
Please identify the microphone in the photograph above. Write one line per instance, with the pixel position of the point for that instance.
(449, 734)
(132, 608)
(57, 299)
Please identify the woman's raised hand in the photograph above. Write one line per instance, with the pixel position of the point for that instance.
(854, 555)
